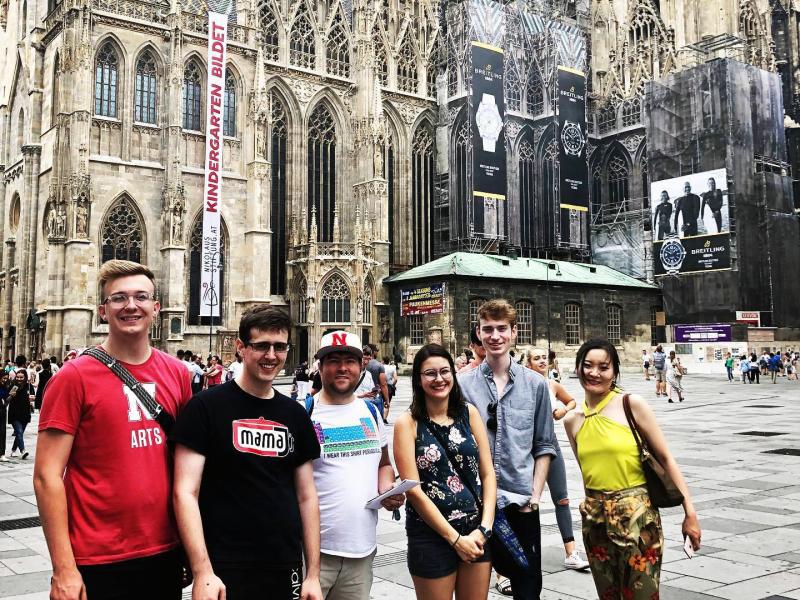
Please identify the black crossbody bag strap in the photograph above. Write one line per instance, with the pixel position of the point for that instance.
(454, 464)
(161, 416)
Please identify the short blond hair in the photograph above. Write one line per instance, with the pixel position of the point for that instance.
(115, 269)
(498, 309)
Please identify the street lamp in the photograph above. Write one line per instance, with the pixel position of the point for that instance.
(551, 266)
(210, 297)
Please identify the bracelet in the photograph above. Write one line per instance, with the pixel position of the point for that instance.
(458, 538)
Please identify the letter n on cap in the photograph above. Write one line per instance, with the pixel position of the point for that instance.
(339, 339)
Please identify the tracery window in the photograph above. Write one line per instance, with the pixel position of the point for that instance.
(513, 87)
(527, 193)
(750, 29)
(463, 166)
(614, 324)
(381, 57)
(534, 94)
(322, 170)
(645, 180)
(452, 72)
(268, 25)
(195, 271)
(105, 81)
(573, 324)
(146, 89)
(607, 118)
(631, 112)
(524, 322)
(278, 163)
(302, 41)
(391, 182)
(546, 212)
(192, 94)
(229, 114)
(617, 170)
(335, 300)
(122, 233)
(338, 49)
(301, 293)
(422, 181)
(366, 300)
(407, 67)
(430, 73)
(597, 189)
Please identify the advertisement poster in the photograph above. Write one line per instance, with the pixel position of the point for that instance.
(686, 334)
(428, 300)
(488, 116)
(692, 255)
(574, 172)
(690, 205)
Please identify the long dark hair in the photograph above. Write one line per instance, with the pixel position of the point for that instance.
(597, 344)
(455, 404)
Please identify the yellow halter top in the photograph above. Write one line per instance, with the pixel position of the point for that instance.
(607, 451)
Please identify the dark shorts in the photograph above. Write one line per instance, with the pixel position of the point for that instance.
(249, 582)
(154, 577)
(431, 556)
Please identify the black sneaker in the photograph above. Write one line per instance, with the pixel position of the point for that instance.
(24, 455)
(670, 401)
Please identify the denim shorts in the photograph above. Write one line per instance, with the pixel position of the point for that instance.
(430, 555)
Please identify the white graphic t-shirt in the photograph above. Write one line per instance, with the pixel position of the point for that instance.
(346, 476)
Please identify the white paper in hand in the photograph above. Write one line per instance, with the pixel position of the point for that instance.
(401, 487)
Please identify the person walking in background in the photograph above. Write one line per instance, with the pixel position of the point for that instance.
(659, 364)
(744, 368)
(561, 402)
(213, 373)
(729, 366)
(646, 364)
(44, 376)
(621, 528)
(675, 376)
(753, 372)
(553, 372)
(449, 516)
(19, 411)
(789, 367)
(3, 413)
(391, 385)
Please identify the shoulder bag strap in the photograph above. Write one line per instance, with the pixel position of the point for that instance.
(150, 404)
(454, 464)
(626, 405)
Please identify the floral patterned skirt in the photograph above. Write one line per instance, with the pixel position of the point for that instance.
(624, 543)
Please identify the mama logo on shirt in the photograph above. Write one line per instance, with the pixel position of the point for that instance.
(262, 437)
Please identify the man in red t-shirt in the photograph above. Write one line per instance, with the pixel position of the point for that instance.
(102, 475)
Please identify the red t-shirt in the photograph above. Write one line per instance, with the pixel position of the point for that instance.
(215, 379)
(118, 478)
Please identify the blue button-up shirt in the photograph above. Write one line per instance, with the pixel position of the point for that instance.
(524, 426)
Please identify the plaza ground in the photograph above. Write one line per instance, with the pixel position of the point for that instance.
(730, 440)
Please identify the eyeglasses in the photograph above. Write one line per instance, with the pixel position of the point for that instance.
(264, 347)
(433, 374)
(119, 300)
(491, 422)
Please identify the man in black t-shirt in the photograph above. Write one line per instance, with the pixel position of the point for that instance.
(245, 499)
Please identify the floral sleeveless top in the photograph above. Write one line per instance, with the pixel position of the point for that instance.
(438, 479)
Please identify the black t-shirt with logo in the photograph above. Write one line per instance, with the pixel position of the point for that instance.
(252, 446)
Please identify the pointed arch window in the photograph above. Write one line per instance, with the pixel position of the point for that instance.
(618, 174)
(546, 210)
(631, 112)
(751, 30)
(302, 40)
(513, 87)
(335, 300)
(381, 57)
(322, 170)
(534, 93)
(338, 49)
(122, 233)
(452, 72)
(56, 98)
(268, 25)
(527, 194)
(645, 180)
(278, 162)
(391, 182)
(607, 118)
(407, 67)
(301, 293)
(192, 94)
(366, 302)
(195, 273)
(430, 73)
(462, 184)
(597, 190)
(229, 114)
(422, 181)
(144, 105)
(105, 81)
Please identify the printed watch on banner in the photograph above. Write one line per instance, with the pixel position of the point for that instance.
(489, 122)
(572, 138)
(672, 255)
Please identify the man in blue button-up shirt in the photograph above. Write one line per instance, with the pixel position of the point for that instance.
(514, 403)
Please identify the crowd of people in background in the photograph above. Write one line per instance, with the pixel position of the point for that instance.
(769, 364)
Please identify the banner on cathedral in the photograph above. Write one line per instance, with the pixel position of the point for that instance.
(698, 254)
(488, 142)
(212, 196)
(574, 172)
(428, 300)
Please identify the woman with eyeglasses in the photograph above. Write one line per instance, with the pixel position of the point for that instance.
(442, 443)
(621, 528)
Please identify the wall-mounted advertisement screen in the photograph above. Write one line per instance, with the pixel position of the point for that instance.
(691, 223)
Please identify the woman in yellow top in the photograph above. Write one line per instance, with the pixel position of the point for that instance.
(621, 528)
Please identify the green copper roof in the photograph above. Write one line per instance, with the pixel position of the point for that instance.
(492, 266)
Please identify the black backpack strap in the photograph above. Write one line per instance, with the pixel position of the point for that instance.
(157, 411)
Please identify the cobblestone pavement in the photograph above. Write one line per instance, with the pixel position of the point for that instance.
(738, 446)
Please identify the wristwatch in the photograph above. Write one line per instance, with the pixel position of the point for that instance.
(572, 138)
(487, 533)
(489, 122)
(672, 255)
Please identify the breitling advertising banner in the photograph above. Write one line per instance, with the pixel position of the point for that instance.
(692, 255)
(488, 112)
(574, 193)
